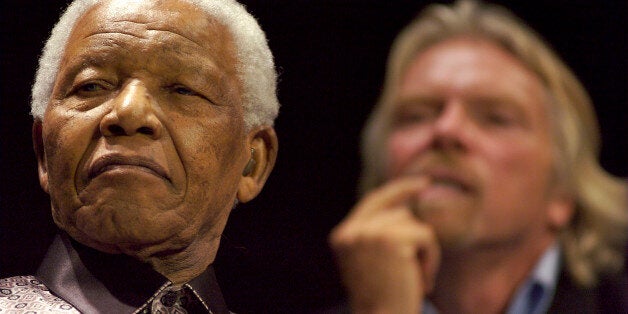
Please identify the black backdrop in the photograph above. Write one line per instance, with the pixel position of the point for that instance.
(330, 55)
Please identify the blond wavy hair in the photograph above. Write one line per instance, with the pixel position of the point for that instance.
(594, 242)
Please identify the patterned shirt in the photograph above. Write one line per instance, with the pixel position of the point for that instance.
(77, 279)
(25, 294)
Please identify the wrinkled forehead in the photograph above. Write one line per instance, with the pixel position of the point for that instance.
(180, 19)
(175, 15)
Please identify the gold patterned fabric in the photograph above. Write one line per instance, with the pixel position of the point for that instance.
(73, 278)
(174, 300)
(25, 294)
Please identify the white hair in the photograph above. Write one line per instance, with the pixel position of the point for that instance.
(255, 69)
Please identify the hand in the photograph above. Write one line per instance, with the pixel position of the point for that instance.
(387, 257)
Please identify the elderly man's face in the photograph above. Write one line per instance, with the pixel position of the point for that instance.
(472, 118)
(143, 140)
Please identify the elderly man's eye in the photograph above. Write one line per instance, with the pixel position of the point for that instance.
(184, 91)
(90, 87)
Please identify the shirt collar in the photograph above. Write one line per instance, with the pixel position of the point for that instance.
(91, 280)
(535, 294)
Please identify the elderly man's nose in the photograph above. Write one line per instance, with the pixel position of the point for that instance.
(132, 113)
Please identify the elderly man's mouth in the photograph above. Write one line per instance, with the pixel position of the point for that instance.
(110, 163)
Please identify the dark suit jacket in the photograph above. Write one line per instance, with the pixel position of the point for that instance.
(609, 296)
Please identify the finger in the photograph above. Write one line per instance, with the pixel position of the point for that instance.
(399, 249)
(429, 255)
(381, 227)
(394, 193)
(417, 240)
(408, 238)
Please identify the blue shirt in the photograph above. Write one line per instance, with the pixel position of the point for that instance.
(535, 294)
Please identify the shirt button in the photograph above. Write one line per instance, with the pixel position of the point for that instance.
(169, 299)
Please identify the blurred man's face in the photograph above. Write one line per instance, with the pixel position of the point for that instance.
(472, 118)
(144, 141)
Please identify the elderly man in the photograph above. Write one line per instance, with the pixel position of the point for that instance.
(482, 189)
(152, 120)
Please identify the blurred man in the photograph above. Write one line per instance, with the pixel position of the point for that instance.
(152, 120)
(482, 189)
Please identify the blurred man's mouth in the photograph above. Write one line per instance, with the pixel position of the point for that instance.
(446, 183)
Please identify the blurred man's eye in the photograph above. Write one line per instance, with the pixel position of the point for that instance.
(416, 114)
(412, 117)
(498, 119)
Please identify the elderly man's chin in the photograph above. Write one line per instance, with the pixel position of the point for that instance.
(128, 229)
(131, 220)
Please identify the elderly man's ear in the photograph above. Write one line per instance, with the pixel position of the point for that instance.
(38, 146)
(264, 145)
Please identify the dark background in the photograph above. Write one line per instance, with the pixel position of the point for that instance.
(330, 55)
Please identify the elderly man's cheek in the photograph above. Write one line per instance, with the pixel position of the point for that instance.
(62, 156)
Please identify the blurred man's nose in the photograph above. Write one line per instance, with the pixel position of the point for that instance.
(451, 127)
